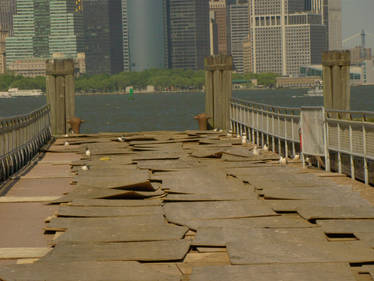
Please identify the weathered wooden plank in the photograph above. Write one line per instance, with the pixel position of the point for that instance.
(289, 272)
(115, 203)
(220, 236)
(341, 212)
(138, 233)
(84, 271)
(77, 211)
(255, 245)
(171, 250)
(167, 165)
(282, 221)
(22, 253)
(34, 199)
(225, 196)
(185, 211)
(61, 224)
(309, 193)
(346, 226)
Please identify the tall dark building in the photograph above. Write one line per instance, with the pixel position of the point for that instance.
(7, 10)
(188, 33)
(103, 36)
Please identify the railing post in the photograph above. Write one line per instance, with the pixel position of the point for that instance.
(366, 171)
(61, 93)
(326, 142)
(353, 176)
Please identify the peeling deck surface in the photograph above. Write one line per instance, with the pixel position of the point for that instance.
(192, 205)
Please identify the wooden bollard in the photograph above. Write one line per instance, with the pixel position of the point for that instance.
(336, 78)
(60, 94)
(218, 90)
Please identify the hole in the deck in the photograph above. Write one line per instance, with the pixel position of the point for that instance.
(341, 237)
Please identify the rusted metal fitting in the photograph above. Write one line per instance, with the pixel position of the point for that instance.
(75, 124)
(202, 118)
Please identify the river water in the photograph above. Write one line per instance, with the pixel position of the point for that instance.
(168, 111)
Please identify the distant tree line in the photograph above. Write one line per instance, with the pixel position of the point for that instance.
(161, 79)
(16, 81)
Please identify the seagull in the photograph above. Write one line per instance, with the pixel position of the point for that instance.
(121, 139)
(66, 143)
(66, 136)
(296, 157)
(216, 130)
(283, 161)
(255, 151)
(265, 148)
(244, 139)
(85, 168)
(88, 152)
(220, 131)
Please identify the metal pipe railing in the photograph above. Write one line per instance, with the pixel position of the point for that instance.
(345, 138)
(21, 138)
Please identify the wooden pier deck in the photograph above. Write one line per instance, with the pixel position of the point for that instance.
(169, 206)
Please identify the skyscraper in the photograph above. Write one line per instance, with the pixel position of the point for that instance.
(188, 33)
(143, 34)
(30, 31)
(219, 8)
(66, 33)
(239, 30)
(7, 10)
(283, 38)
(333, 18)
(103, 36)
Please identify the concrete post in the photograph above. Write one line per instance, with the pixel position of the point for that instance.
(61, 94)
(218, 90)
(336, 77)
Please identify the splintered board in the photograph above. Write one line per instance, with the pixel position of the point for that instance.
(183, 211)
(171, 250)
(289, 272)
(119, 233)
(72, 211)
(341, 212)
(61, 224)
(224, 196)
(84, 271)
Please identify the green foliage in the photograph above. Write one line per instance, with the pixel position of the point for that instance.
(162, 79)
(23, 83)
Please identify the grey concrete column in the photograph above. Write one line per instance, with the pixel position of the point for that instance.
(218, 90)
(60, 94)
(336, 77)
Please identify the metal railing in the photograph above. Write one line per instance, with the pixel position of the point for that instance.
(350, 143)
(342, 141)
(278, 127)
(21, 138)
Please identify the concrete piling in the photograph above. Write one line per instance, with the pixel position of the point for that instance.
(218, 90)
(336, 77)
(60, 94)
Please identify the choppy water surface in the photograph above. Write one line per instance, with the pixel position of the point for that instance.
(167, 111)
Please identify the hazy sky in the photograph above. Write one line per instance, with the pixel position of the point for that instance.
(357, 15)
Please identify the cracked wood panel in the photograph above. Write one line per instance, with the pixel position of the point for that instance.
(154, 251)
(84, 271)
(261, 246)
(289, 272)
(184, 211)
(115, 203)
(61, 224)
(346, 226)
(282, 221)
(119, 233)
(73, 211)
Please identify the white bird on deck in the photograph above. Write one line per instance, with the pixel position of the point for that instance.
(88, 152)
(296, 157)
(121, 139)
(244, 139)
(265, 147)
(66, 136)
(66, 143)
(255, 151)
(85, 168)
(283, 161)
